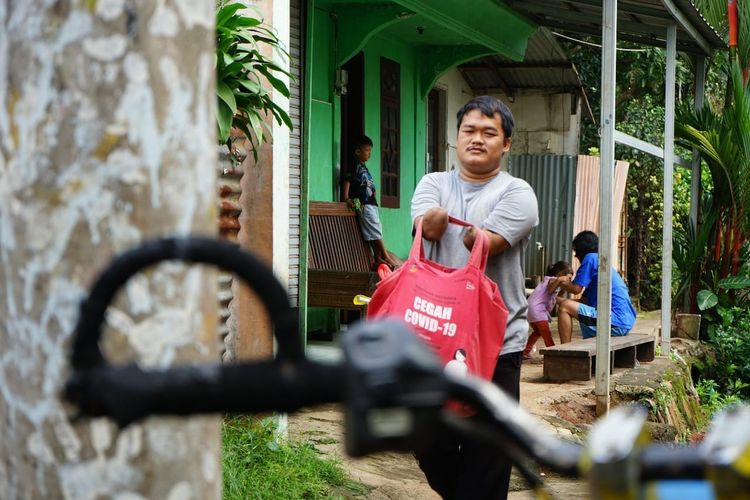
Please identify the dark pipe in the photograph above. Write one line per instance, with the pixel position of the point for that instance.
(199, 250)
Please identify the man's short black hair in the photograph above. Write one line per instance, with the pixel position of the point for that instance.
(584, 243)
(362, 140)
(489, 106)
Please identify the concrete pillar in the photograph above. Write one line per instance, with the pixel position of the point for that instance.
(107, 135)
(264, 220)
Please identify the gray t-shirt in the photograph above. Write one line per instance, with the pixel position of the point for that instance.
(506, 206)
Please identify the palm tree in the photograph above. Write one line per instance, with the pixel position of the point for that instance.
(722, 138)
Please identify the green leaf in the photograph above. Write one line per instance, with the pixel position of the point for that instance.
(735, 282)
(248, 22)
(233, 69)
(226, 59)
(224, 117)
(226, 95)
(227, 12)
(707, 299)
(250, 85)
(277, 84)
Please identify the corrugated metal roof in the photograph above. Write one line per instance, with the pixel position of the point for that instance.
(641, 21)
(567, 190)
(553, 178)
(545, 66)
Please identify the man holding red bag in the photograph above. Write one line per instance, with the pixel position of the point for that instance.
(505, 208)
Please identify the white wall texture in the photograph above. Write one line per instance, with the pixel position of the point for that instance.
(107, 138)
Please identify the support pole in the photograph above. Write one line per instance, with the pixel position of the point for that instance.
(666, 263)
(607, 148)
(695, 178)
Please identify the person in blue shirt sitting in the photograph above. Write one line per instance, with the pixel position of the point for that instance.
(586, 248)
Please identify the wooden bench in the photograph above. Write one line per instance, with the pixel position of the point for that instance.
(577, 360)
(339, 260)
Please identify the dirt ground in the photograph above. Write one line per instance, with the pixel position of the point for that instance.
(564, 409)
(561, 408)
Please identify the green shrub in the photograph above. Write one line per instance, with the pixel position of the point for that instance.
(728, 364)
(712, 400)
(256, 465)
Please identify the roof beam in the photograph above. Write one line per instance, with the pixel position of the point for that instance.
(650, 41)
(555, 89)
(687, 25)
(630, 7)
(544, 14)
(646, 147)
(520, 65)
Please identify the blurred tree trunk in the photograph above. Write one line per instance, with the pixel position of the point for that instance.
(107, 136)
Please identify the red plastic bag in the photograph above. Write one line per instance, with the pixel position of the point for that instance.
(459, 312)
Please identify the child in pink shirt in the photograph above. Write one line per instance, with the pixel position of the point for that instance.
(541, 302)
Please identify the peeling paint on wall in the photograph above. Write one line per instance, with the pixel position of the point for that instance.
(109, 10)
(196, 13)
(164, 22)
(106, 48)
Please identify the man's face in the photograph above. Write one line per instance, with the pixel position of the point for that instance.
(481, 142)
(363, 153)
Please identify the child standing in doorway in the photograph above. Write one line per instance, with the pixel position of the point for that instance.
(541, 302)
(360, 187)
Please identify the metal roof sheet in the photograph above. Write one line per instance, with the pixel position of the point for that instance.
(545, 66)
(640, 21)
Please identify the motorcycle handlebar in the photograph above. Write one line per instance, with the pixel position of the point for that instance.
(387, 371)
(197, 250)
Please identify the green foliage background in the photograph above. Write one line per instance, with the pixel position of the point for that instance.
(640, 113)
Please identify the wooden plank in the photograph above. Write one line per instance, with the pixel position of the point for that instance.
(338, 288)
(576, 360)
(562, 368)
(630, 340)
(645, 352)
(583, 346)
(559, 368)
(331, 208)
(567, 353)
(624, 358)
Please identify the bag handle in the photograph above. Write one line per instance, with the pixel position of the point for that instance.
(479, 252)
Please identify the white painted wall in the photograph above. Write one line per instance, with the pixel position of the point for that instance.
(544, 123)
(458, 93)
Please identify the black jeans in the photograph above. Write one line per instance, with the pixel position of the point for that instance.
(457, 468)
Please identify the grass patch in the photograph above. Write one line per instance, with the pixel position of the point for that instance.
(256, 465)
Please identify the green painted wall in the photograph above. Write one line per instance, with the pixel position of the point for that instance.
(396, 222)
(324, 161)
(324, 124)
(324, 112)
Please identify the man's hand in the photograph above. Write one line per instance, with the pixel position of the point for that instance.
(434, 224)
(497, 243)
(469, 237)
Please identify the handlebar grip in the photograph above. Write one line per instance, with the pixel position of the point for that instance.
(127, 394)
(226, 256)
